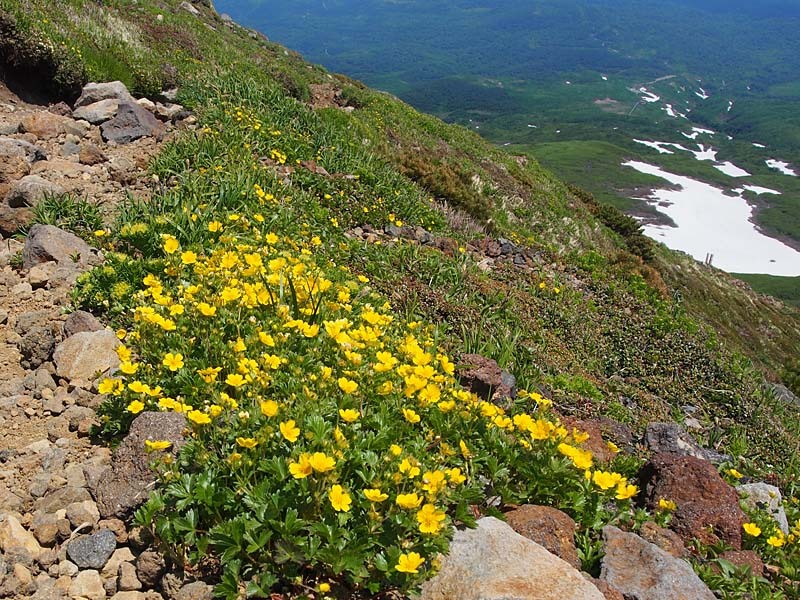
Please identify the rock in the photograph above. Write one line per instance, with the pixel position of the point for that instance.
(57, 500)
(92, 551)
(117, 526)
(81, 321)
(98, 112)
(46, 242)
(130, 596)
(150, 566)
(95, 92)
(14, 220)
(45, 528)
(13, 147)
(120, 556)
(492, 562)
(37, 345)
(188, 7)
(745, 558)
(14, 536)
(644, 571)
(9, 128)
(195, 591)
(29, 190)
(85, 354)
(131, 123)
(595, 444)
(169, 112)
(671, 438)
(765, 497)
(131, 479)
(707, 507)
(88, 585)
(80, 513)
(90, 154)
(484, 377)
(548, 527)
(666, 539)
(77, 128)
(39, 275)
(44, 125)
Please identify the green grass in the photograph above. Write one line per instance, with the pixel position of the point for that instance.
(786, 289)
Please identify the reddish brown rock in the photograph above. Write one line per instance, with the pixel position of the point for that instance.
(90, 154)
(14, 220)
(745, 558)
(548, 527)
(609, 591)
(708, 508)
(44, 125)
(484, 377)
(666, 539)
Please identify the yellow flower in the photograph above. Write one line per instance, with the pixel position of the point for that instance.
(465, 451)
(246, 442)
(324, 587)
(455, 476)
(612, 446)
(135, 407)
(157, 445)
(430, 519)
(346, 385)
(752, 529)
(215, 410)
(735, 474)
(605, 480)
(434, 482)
(269, 408)
(410, 415)
(107, 386)
(171, 245)
(321, 462)
(128, 367)
(198, 418)
(340, 500)
(206, 309)
(375, 495)
(289, 430)
(188, 258)
(209, 374)
(408, 500)
(215, 226)
(411, 470)
(301, 469)
(625, 491)
(173, 361)
(234, 380)
(777, 540)
(349, 415)
(395, 450)
(665, 504)
(409, 563)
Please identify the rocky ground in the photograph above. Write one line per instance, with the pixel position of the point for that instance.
(57, 540)
(65, 502)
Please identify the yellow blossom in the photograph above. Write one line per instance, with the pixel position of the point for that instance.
(198, 418)
(626, 491)
(340, 500)
(302, 468)
(409, 563)
(375, 495)
(206, 309)
(777, 540)
(188, 258)
(408, 501)
(668, 505)
(346, 385)
(173, 361)
(321, 462)
(128, 368)
(606, 480)
(349, 415)
(135, 407)
(246, 442)
(235, 380)
(171, 245)
(269, 408)
(209, 374)
(410, 415)
(157, 445)
(752, 529)
(289, 430)
(430, 519)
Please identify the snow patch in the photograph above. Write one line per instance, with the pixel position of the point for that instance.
(731, 169)
(702, 94)
(757, 189)
(759, 145)
(781, 166)
(710, 222)
(605, 78)
(648, 96)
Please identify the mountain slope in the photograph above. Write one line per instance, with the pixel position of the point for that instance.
(353, 191)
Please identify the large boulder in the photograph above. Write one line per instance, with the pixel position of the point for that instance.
(493, 562)
(484, 377)
(43, 124)
(95, 92)
(86, 354)
(707, 507)
(47, 242)
(131, 123)
(29, 190)
(643, 571)
(129, 480)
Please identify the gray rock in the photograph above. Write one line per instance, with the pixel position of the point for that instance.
(643, 571)
(187, 6)
(80, 513)
(672, 439)
(77, 128)
(493, 562)
(61, 498)
(37, 345)
(131, 479)
(13, 147)
(80, 321)
(765, 497)
(98, 112)
(46, 242)
(128, 580)
(85, 354)
(131, 123)
(92, 551)
(29, 190)
(784, 394)
(88, 585)
(95, 92)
